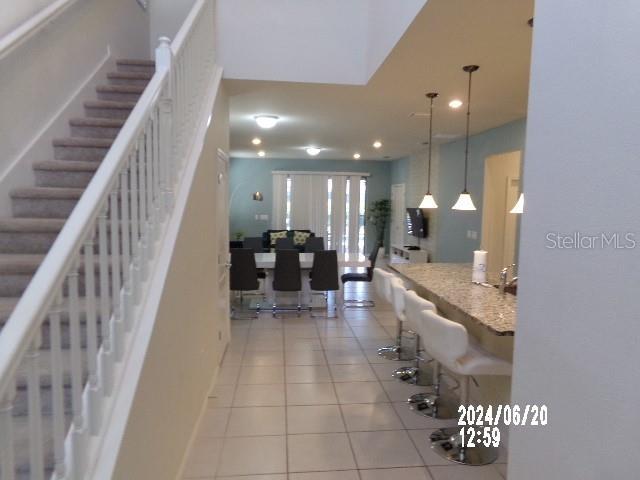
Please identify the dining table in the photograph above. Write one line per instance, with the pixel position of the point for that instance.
(267, 260)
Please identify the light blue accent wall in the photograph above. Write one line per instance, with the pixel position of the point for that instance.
(400, 171)
(452, 242)
(248, 175)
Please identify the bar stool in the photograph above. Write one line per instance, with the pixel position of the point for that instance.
(448, 343)
(382, 284)
(414, 304)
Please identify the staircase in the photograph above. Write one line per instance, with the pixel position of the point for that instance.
(38, 215)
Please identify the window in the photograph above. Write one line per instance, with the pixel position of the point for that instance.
(361, 214)
(288, 214)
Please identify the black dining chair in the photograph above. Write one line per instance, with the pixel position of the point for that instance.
(287, 276)
(255, 243)
(284, 244)
(365, 276)
(314, 244)
(243, 274)
(324, 275)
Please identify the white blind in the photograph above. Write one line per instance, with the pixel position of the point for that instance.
(308, 198)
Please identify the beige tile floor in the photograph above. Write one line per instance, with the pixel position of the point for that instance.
(309, 399)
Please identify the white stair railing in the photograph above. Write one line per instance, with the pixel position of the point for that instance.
(83, 298)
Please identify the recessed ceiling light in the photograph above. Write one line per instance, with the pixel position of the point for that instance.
(313, 151)
(261, 153)
(256, 141)
(356, 156)
(377, 144)
(266, 121)
(455, 103)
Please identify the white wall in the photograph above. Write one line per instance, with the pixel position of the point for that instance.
(40, 79)
(577, 339)
(16, 12)
(329, 41)
(166, 17)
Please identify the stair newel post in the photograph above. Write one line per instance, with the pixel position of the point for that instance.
(92, 333)
(106, 354)
(116, 285)
(7, 454)
(126, 300)
(78, 428)
(135, 230)
(57, 389)
(34, 402)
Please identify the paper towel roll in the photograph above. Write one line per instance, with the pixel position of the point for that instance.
(479, 274)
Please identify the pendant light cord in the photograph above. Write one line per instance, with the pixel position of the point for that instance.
(466, 146)
(430, 136)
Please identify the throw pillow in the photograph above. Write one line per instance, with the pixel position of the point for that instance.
(275, 235)
(300, 238)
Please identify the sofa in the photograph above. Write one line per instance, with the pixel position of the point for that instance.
(266, 237)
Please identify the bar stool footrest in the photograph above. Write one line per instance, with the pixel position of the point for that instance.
(446, 442)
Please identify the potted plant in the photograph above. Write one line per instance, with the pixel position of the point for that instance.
(239, 235)
(378, 215)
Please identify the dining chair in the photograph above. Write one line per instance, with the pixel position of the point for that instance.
(254, 243)
(284, 244)
(314, 244)
(287, 276)
(243, 275)
(366, 276)
(324, 276)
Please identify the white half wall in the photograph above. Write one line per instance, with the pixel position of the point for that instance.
(15, 12)
(328, 41)
(577, 339)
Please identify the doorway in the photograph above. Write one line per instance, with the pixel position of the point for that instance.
(398, 214)
(222, 213)
(499, 226)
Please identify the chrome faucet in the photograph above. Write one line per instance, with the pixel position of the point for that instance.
(504, 273)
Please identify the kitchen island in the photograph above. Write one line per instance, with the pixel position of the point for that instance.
(488, 315)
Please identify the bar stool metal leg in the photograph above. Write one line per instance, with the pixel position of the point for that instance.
(418, 374)
(448, 442)
(434, 404)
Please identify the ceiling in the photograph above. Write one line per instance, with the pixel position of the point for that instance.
(343, 119)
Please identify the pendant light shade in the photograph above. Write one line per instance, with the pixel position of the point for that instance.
(428, 201)
(519, 206)
(464, 200)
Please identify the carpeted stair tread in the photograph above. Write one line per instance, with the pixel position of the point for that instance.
(136, 62)
(31, 225)
(97, 122)
(129, 75)
(110, 104)
(47, 192)
(83, 142)
(120, 89)
(19, 263)
(66, 166)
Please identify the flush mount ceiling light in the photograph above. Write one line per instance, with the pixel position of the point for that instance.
(356, 156)
(455, 103)
(464, 200)
(377, 144)
(256, 141)
(428, 201)
(313, 151)
(261, 153)
(266, 121)
(519, 206)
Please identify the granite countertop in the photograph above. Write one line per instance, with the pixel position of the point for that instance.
(451, 283)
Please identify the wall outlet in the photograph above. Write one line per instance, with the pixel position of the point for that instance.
(264, 216)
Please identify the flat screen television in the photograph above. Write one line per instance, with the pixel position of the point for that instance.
(417, 223)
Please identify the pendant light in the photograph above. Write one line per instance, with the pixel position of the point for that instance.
(519, 206)
(464, 200)
(428, 200)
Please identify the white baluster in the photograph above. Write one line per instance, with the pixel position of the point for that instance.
(164, 60)
(92, 334)
(157, 197)
(57, 389)
(7, 458)
(149, 191)
(78, 424)
(36, 455)
(107, 354)
(135, 227)
(142, 171)
(117, 326)
(126, 252)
